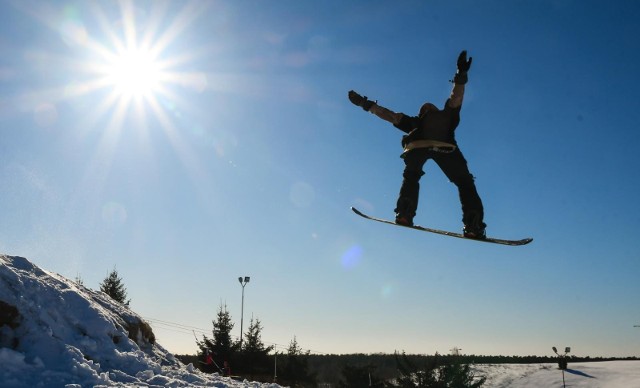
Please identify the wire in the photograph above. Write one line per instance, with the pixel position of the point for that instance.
(186, 329)
(175, 325)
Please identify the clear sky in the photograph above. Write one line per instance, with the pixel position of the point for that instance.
(190, 143)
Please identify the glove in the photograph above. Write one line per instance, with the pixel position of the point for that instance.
(464, 65)
(360, 101)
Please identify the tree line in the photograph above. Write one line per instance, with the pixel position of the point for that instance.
(337, 369)
(249, 358)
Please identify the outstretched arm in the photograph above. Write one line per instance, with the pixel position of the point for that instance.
(459, 80)
(386, 114)
(373, 107)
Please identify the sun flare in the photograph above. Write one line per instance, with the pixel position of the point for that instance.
(134, 73)
(135, 64)
(133, 60)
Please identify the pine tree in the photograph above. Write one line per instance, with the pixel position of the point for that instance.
(112, 285)
(222, 341)
(255, 356)
(413, 376)
(457, 374)
(78, 280)
(253, 343)
(221, 345)
(295, 372)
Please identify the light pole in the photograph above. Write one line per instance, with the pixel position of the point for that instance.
(243, 282)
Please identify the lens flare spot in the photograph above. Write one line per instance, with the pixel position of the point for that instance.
(71, 28)
(352, 257)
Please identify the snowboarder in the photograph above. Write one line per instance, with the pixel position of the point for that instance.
(430, 135)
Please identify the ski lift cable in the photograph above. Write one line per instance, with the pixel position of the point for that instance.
(174, 324)
(186, 329)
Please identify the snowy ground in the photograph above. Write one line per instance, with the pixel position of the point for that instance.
(54, 333)
(609, 374)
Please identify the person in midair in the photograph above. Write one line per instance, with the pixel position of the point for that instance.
(431, 135)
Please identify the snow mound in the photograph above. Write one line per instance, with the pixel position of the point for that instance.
(56, 333)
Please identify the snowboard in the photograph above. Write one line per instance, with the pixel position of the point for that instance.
(524, 241)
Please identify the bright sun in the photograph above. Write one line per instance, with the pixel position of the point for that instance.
(129, 61)
(134, 73)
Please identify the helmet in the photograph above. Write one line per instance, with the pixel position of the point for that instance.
(426, 107)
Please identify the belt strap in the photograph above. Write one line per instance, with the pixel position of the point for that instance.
(433, 145)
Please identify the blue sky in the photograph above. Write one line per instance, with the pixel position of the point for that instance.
(232, 150)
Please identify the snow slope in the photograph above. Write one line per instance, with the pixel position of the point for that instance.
(54, 333)
(608, 374)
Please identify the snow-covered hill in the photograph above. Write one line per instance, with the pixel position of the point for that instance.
(54, 333)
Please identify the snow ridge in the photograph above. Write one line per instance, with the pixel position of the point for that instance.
(56, 333)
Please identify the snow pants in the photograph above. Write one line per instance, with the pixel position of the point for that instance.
(454, 166)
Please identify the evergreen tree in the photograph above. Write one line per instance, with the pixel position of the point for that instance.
(413, 376)
(255, 356)
(295, 372)
(221, 345)
(457, 374)
(112, 285)
(253, 339)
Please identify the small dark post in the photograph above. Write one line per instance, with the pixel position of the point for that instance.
(562, 361)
